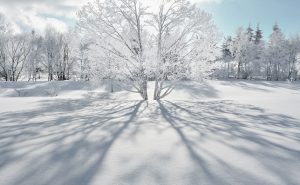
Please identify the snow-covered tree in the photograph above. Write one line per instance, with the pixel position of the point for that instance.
(69, 56)
(4, 35)
(277, 55)
(57, 51)
(258, 35)
(276, 60)
(161, 43)
(227, 55)
(293, 62)
(52, 51)
(107, 69)
(249, 32)
(120, 26)
(242, 52)
(258, 54)
(185, 36)
(35, 58)
(17, 50)
(83, 58)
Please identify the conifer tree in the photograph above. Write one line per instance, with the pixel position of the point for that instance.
(258, 35)
(227, 53)
(249, 32)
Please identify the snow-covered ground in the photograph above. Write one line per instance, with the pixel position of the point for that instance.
(215, 132)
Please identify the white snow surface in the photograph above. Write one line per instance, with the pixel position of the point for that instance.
(211, 132)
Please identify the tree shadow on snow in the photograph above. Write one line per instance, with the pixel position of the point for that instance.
(262, 85)
(200, 90)
(237, 128)
(68, 142)
(74, 150)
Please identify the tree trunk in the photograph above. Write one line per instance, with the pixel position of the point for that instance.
(145, 90)
(111, 86)
(239, 70)
(155, 90)
(228, 73)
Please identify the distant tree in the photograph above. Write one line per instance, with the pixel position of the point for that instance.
(17, 50)
(250, 33)
(258, 35)
(52, 51)
(227, 55)
(241, 50)
(5, 30)
(35, 58)
(257, 64)
(276, 60)
(57, 51)
(277, 55)
(84, 59)
(293, 61)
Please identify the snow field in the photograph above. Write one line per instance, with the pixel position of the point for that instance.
(214, 132)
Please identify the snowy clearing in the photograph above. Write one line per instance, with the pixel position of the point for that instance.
(215, 132)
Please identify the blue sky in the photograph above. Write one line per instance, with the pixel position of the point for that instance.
(229, 14)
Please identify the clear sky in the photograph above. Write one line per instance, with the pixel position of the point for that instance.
(228, 14)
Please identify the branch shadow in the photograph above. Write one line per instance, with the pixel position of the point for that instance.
(66, 138)
(262, 85)
(198, 89)
(236, 128)
(71, 142)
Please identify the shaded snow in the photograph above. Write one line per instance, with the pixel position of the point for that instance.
(215, 132)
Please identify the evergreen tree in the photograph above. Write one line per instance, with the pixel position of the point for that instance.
(258, 53)
(258, 35)
(249, 32)
(226, 47)
(227, 53)
(276, 28)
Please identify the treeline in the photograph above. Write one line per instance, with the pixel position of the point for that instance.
(65, 56)
(249, 56)
(29, 56)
